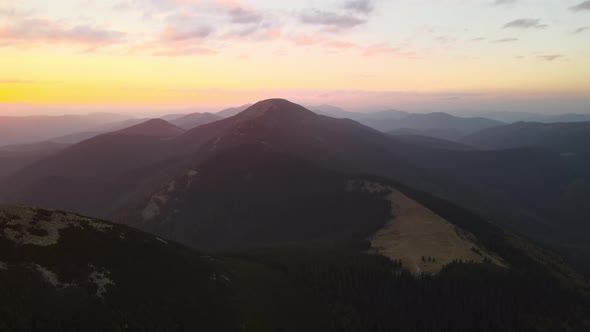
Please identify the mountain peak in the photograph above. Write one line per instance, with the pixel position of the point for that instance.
(153, 127)
(275, 105)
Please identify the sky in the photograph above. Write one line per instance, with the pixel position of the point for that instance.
(149, 56)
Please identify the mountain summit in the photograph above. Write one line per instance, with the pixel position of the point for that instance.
(154, 128)
(274, 106)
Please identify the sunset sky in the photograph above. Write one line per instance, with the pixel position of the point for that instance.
(146, 56)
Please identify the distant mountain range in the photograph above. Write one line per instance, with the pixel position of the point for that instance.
(194, 120)
(71, 129)
(122, 171)
(563, 137)
(438, 125)
(511, 117)
(30, 129)
(304, 213)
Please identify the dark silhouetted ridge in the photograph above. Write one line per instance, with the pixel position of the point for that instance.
(275, 106)
(153, 127)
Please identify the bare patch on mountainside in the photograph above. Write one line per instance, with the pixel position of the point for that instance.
(421, 239)
(101, 278)
(41, 227)
(49, 276)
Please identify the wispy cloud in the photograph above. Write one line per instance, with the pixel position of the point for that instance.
(525, 23)
(47, 31)
(581, 6)
(552, 57)
(505, 40)
(580, 30)
(446, 39)
(330, 19)
(184, 33)
(240, 15)
(504, 2)
(360, 6)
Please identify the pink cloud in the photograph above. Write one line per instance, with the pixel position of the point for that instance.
(174, 34)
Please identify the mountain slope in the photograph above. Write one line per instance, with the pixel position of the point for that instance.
(102, 163)
(253, 196)
(226, 113)
(341, 144)
(428, 141)
(109, 172)
(16, 157)
(441, 125)
(512, 117)
(562, 137)
(194, 120)
(96, 174)
(66, 272)
(154, 127)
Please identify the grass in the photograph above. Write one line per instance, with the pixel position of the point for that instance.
(423, 240)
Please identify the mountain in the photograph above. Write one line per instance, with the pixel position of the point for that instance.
(107, 168)
(412, 137)
(313, 220)
(111, 127)
(119, 125)
(119, 168)
(438, 125)
(194, 120)
(232, 111)
(16, 157)
(563, 137)
(104, 175)
(154, 127)
(30, 129)
(511, 117)
(67, 272)
(174, 116)
(253, 196)
(75, 138)
(567, 118)
(560, 190)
